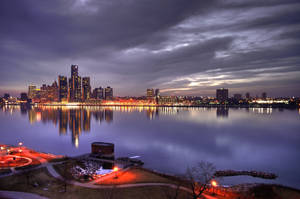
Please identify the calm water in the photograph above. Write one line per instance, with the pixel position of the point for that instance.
(168, 139)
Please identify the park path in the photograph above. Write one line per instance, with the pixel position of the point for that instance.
(20, 195)
(91, 184)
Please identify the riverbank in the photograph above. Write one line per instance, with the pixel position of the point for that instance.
(52, 180)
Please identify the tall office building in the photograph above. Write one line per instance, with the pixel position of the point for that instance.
(222, 94)
(75, 85)
(63, 88)
(157, 92)
(247, 95)
(86, 88)
(98, 93)
(150, 93)
(264, 95)
(31, 91)
(108, 93)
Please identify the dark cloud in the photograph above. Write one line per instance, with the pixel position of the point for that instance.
(139, 44)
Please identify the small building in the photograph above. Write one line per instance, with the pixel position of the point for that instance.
(103, 150)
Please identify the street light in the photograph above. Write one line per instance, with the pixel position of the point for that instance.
(116, 169)
(214, 184)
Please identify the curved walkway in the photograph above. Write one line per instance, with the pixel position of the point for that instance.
(91, 184)
(18, 195)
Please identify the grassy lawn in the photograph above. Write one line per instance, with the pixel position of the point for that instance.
(135, 175)
(40, 182)
(274, 191)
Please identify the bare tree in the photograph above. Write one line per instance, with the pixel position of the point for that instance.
(199, 177)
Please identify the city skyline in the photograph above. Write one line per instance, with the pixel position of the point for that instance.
(77, 90)
(183, 48)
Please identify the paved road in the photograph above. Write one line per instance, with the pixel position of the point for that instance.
(20, 195)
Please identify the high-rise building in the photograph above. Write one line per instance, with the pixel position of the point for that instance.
(31, 91)
(98, 93)
(264, 95)
(108, 93)
(247, 95)
(157, 92)
(86, 88)
(222, 94)
(75, 84)
(63, 88)
(74, 70)
(150, 93)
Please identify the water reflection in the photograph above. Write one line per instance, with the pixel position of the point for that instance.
(232, 138)
(222, 112)
(77, 120)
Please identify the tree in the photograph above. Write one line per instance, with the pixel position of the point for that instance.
(199, 177)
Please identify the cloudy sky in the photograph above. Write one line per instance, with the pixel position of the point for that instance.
(182, 47)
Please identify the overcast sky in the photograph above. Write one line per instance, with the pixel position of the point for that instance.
(183, 47)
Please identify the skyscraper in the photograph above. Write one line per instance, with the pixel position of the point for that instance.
(222, 94)
(150, 93)
(157, 92)
(108, 93)
(75, 84)
(247, 95)
(63, 88)
(98, 93)
(31, 91)
(264, 95)
(86, 88)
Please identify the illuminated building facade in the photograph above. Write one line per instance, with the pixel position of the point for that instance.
(31, 91)
(108, 93)
(48, 93)
(222, 94)
(86, 88)
(63, 88)
(75, 85)
(150, 93)
(157, 92)
(98, 93)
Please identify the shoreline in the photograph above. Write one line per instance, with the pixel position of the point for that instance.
(159, 106)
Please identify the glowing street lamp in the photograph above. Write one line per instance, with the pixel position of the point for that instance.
(214, 183)
(116, 169)
(20, 143)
